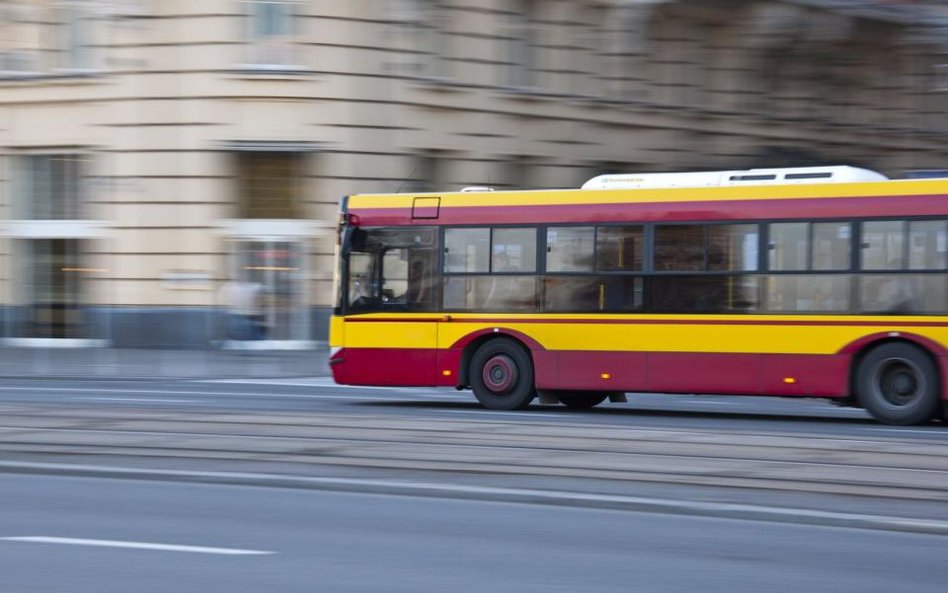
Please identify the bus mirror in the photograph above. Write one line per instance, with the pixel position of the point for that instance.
(353, 238)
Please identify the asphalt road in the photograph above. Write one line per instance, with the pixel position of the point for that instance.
(321, 394)
(102, 536)
(762, 451)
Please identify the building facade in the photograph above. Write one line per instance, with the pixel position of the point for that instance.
(163, 162)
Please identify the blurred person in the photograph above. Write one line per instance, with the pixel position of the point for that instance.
(244, 303)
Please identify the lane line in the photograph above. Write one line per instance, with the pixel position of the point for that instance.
(138, 399)
(108, 543)
(71, 391)
(800, 516)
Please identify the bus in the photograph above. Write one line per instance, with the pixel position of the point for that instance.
(818, 282)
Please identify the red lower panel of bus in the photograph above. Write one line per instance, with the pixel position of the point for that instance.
(691, 372)
(670, 372)
(387, 366)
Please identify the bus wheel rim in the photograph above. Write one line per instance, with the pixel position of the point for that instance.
(500, 374)
(898, 382)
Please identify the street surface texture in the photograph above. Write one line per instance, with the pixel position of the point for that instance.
(341, 542)
(284, 467)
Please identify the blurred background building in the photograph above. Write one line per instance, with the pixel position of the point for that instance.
(158, 156)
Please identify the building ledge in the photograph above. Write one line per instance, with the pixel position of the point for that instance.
(64, 77)
(271, 72)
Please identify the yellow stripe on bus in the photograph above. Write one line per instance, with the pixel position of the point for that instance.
(797, 335)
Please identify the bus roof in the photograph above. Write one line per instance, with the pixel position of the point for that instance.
(781, 176)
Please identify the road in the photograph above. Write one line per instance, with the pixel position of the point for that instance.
(273, 477)
(102, 536)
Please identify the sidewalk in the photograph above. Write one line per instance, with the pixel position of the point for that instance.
(101, 363)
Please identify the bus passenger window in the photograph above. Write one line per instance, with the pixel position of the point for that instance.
(928, 244)
(788, 246)
(733, 247)
(903, 294)
(831, 245)
(883, 245)
(466, 250)
(491, 292)
(679, 248)
(570, 249)
(514, 250)
(824, 293)
(608, 294)
(619, 249)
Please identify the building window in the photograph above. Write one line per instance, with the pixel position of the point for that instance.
(271, 184)
(271, 33)
(37, 38)
(521, 45)
(426, 174)
(428, 23)
(76, 44)
(21, 38)
(49, 186)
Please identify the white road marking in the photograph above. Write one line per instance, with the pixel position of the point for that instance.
(724, 510)
(107, 543)
(137, 399)
(193, 393)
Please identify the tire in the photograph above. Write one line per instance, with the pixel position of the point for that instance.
(501, 375)
(898, 384)
(581, 400)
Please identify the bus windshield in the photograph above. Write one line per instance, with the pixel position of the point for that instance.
(390, 269)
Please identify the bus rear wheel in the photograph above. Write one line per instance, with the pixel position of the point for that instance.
(502, 375)
(581, 400)
(898, 384)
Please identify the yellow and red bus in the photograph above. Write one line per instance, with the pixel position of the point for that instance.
(827, 282)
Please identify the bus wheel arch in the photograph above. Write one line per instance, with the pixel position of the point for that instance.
(897, 380)
(471, 342)
(500, 371)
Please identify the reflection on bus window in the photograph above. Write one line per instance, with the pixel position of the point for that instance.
(808, 293)
(831, 245)
(928, 244)
(704, 294)
(883, 243)
(903, 294)
(788, 246)
(467, 250)
(360, 279)
(514, 250)
(494, 293)
(570, 249)
(583, 294)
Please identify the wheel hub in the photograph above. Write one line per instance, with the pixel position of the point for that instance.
(500, 374)
(898, 382)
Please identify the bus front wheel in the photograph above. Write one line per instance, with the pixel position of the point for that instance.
(502, 375)
(898, 384)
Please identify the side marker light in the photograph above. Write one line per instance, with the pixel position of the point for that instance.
(789, 380)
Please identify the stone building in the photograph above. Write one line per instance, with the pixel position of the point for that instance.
(151, 151)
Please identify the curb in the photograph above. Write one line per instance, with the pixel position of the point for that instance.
(492, 494)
